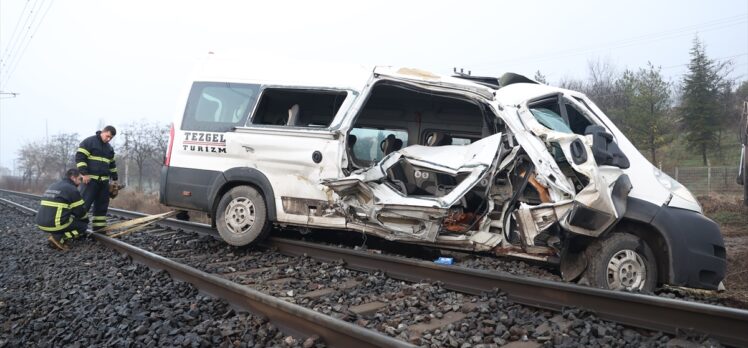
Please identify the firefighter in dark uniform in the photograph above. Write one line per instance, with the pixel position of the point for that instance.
(61, 212)
(95, 160)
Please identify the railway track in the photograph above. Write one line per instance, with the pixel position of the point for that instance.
(293, 319)
(640, 311)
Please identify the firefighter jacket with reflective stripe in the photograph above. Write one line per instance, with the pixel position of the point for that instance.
(61, 204)
(96, 158)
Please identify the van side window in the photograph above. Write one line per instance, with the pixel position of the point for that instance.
(298, 107)
(440, 137)
(371, 144)
(219, 106)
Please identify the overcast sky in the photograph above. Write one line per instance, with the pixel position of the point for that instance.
(114, 62)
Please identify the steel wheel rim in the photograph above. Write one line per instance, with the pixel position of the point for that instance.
(240, 215)
(626, 271)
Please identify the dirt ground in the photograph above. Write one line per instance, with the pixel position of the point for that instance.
(732, 217)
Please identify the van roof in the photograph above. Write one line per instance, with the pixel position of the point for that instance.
(282, 71)
(516, 93)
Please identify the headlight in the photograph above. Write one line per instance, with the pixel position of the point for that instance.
(676, 189)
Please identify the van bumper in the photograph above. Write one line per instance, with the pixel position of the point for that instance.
(696, 248)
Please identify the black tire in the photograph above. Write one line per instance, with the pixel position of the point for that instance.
(183, 215)
(247, 221)
(628, 256)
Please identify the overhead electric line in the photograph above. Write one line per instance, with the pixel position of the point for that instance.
(16, 39)
(715, 59)
(11, 69)
(632, 41)
(13, 35)
(7, 95)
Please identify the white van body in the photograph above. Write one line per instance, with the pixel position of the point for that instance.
(509, 166)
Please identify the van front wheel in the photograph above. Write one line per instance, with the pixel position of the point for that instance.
(621, 261)
(241, 216)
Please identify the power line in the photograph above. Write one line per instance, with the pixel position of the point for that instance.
(19, 46)
(7, 95)
(16, 40)
(15, 29)
(715, 59)
(637, 40)
(12, 69)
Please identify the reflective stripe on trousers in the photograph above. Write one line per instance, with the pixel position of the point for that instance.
(99, 221)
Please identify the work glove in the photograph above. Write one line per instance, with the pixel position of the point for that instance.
(114, 188)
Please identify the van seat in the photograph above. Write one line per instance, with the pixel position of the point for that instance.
(293, 115)
(390, 144)
(438, 139)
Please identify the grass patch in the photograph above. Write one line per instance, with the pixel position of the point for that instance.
(730, 217)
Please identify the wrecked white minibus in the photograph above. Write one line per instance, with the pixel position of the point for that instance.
(505, 166)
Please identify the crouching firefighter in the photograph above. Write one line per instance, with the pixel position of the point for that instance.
(95, 160)
(61, 212)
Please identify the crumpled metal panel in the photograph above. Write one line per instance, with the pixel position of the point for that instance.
(370, 197)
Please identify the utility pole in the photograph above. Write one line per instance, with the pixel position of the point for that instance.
(127, 159)
(4, 95)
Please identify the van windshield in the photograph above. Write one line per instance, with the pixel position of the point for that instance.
(551, 120)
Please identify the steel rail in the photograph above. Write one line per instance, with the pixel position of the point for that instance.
(643, 311)
(290, 318)
(728, 325)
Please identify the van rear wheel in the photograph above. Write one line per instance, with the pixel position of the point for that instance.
(621, 261)
(241, 216)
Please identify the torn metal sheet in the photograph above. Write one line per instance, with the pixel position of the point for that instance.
(532, 220)
(597, 193)
(549, 173)
(373, 193)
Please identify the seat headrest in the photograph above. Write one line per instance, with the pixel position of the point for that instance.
(438, 139)
(293, 115)
(389, 143)
(398, 145)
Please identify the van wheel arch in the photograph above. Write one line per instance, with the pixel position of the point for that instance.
(242, 176)
(621, 261)
(574, 262)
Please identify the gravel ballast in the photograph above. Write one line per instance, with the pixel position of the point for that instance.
(93, 296)
(425, 314)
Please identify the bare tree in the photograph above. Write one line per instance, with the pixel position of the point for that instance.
(145, 145)
(572, 84)
(63, 147)
(601, 83)
(160, 136)
(34, 158)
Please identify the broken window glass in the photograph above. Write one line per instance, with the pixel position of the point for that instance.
(368, 143)
(298, 108)
(551, 120)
